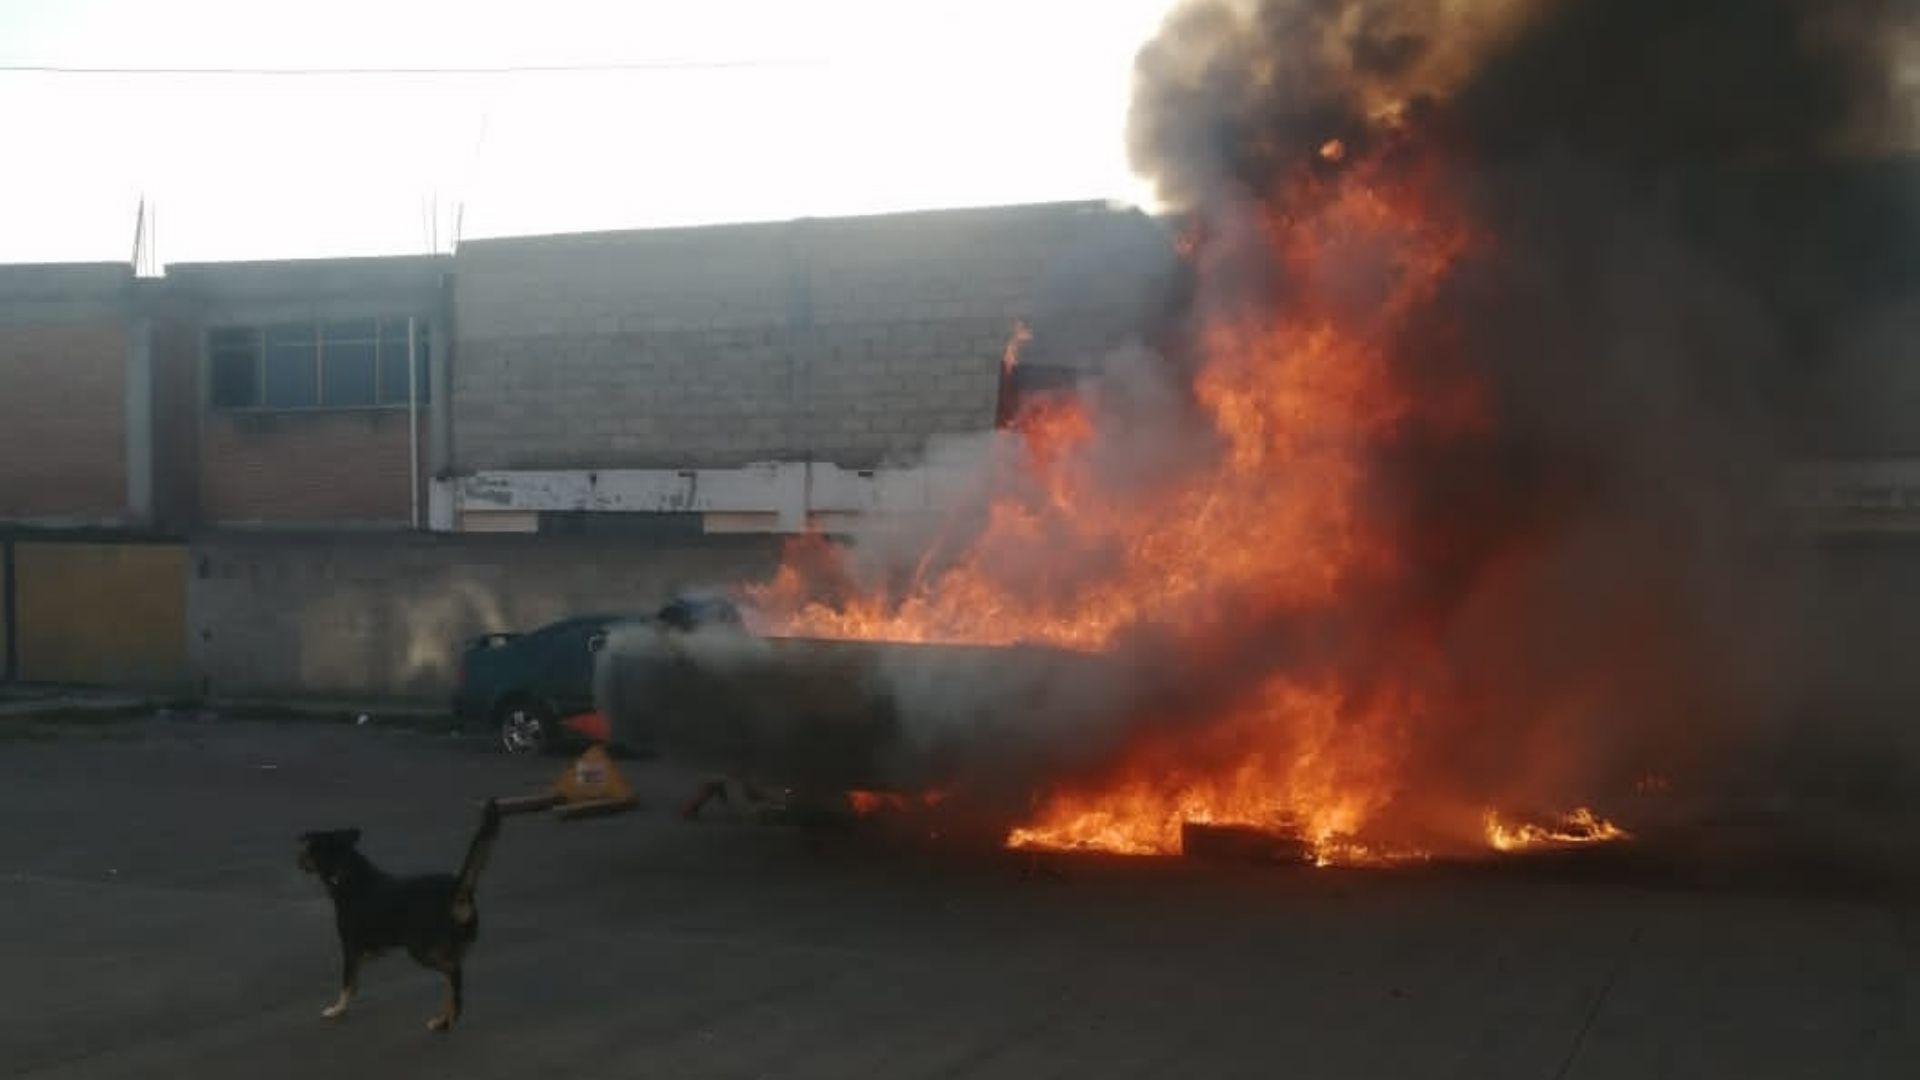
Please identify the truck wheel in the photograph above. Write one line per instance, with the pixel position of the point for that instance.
(525, 727)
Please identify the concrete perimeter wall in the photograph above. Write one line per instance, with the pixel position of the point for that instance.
(376, 618)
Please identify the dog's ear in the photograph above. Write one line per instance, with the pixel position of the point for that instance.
(350, 837)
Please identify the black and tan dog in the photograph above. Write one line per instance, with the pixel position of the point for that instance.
(432, 916)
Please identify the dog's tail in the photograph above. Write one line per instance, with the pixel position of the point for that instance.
(477, 852)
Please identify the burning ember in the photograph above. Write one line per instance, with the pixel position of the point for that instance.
(869, 803)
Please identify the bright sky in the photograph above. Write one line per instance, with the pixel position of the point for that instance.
(834, 107)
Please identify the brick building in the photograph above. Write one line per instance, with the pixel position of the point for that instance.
(706, 378)
(90, 425)
(764, 375)
(304, 408)
(756, 377)
(662, 386)
(847, 340)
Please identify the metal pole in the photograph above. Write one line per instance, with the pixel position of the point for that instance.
(413, 416)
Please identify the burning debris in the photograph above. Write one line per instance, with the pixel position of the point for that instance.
(1451, 489)
(1573, 829)
(868, 803)
(1242, 843)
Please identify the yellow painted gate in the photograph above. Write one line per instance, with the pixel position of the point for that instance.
(100, 614)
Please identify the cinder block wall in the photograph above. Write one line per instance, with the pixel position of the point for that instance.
(846, 340)
(667, 347)
(63, 358)
(375, 618)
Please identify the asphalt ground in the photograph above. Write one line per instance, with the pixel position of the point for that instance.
(153, 923)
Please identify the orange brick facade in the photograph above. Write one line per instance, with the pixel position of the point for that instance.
(63, 421)
(184, 405)
(314, 468)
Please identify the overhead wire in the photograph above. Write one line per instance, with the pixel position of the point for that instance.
(415, 71)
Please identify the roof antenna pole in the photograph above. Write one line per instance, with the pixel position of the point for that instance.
(139, 235)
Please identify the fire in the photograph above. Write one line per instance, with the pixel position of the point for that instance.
(865, 803)
(1017, 339)
(1297, 760)
(1579, 826)
(1296, 406)
(868, 803)
(1296, 397)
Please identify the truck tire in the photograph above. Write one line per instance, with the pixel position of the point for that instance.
(524, 727)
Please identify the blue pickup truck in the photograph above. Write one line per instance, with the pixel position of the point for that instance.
(533, 692)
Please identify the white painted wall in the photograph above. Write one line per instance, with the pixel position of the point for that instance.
(765, 497)
(1880, 495)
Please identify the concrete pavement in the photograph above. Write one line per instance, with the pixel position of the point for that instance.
(154, 924)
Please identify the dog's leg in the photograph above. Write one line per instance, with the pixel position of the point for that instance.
(452, 1011)
(349, 976)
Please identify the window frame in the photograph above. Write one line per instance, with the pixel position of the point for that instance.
(258, 333)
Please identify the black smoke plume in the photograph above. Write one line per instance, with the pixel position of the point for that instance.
(1693, 210)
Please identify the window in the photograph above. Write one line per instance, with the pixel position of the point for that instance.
(393, 362)
(339, 364)
(291, 368)
(234, 368)
(348, 365)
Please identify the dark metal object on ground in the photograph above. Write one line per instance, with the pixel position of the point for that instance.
(1242, 843)
(594, 808)
(528, 804)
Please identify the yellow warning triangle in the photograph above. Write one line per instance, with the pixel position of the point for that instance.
(592, 778)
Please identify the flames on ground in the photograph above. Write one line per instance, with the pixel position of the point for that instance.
(1380, 529)
(1579, 827)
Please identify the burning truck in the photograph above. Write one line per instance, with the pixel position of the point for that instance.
(817, 718)
(1437, 514)
(867, 726)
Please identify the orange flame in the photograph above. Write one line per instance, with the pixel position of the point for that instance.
(1017, 338)
(865, 803)
(868, 803)
(1577, 827)
(1297, 395)
(1298, 760)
